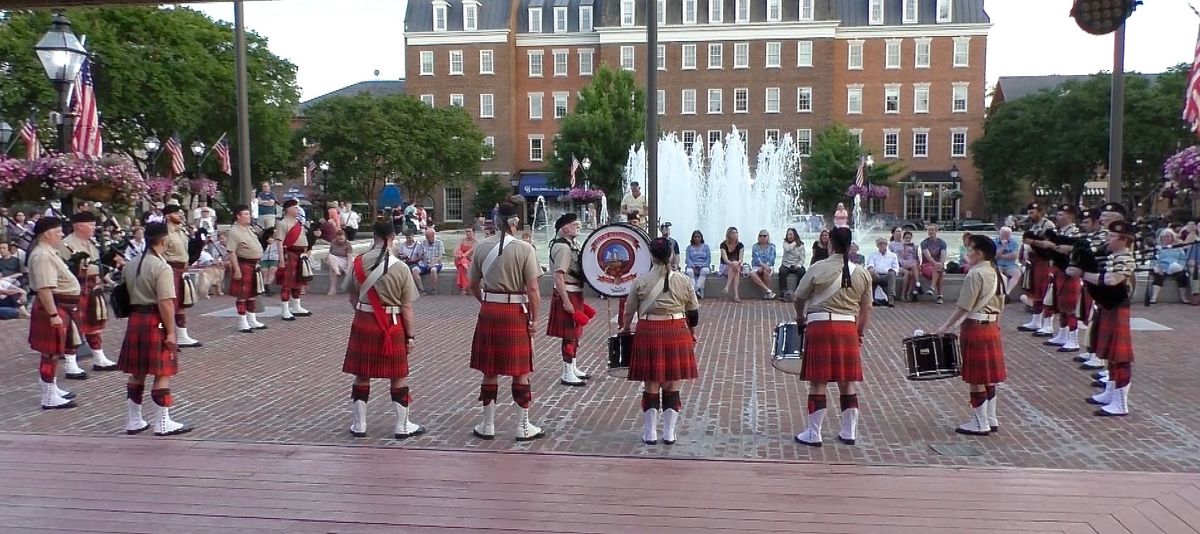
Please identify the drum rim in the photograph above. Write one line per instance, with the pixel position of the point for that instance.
(583, 248)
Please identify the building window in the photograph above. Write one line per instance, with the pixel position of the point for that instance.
(439, 16)
(772, 100)
(774, 11)
(714, 137)
(804, 54)
(958, 143)
(487, 62)
(806, 9)
(456, 62)
(962, 52)
(891, 98)
(627, 57)
(560, 62)
(689, 57)
(923, 53)
(470, 16)
(585, 62)
(804, 142)
(585, 18)
(892, 55)
(688, 102)
(742, 11)
(944, 13)
(427, 99)
(771, 136)
(910, 11)
(535, 63)
(662, 101)
(714, 55)
(662, 57)
(854, 100)
(689, 141)
(741, 100)
(560, 104)
(426, 63)
(627, 13)
(741, 55)
(452, 203)
(535, 106)
(535, 147)
(716, 11)
(714, 101)
(855, 61)
(921, 98)
(689, 11)
(856, 134)
(876, 13)
(489, 148)
(921, 143)
(891, 143)
(560, 19)
(661, 12)
(487, 106)
(773, 54)
(804, 101)
(456, 99)
(535, 20)
(959, 105)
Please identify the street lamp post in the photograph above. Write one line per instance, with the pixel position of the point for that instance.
(62, 56)
(6, 134)
(587, 165)
(151, 144)
(513, 181)
(198, 151)
(324, 187)
(954, 174)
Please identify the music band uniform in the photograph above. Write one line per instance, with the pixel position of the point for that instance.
(564, 259)
(176, 255)
(982, 300)
(1113, 338)
(49, 273)
(1067, 289)
(293, 243)
(1038, 275)
(83, 256)
(245, 251)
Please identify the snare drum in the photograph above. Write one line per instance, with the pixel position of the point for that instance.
(789, 348)
(932, 356)
(619, 348)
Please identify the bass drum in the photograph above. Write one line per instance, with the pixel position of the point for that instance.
(613, 257)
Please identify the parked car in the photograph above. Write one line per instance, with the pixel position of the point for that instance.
(975, 225)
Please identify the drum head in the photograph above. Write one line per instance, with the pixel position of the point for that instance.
(613, 257)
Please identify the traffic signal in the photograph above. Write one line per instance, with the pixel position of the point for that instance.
(1100, 17)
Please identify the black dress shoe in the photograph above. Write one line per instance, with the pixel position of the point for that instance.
(76, 376)
(420, 430)
(181, 430)
(68, 405)
(68, 395)
(288, 318)
(845, 441)
(579, 384)
(138, 431)
(246, 330)
(105, 368)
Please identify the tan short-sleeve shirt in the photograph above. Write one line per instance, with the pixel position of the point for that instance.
(565, 259)
(243, 243)
(979, 285)
(827, 272)
(284, 226)
(177, 244)
(396, 287)
(153, 283)
(47, 269)
(515, 264)
(72, 244)
(680, 297)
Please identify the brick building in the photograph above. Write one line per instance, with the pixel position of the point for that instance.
(907, 76)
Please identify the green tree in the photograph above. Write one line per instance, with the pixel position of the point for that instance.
(488, 193)
(610, 116)
(158, 71)
(369, 140)
(830, 171)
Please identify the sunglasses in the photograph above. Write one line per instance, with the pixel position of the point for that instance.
(763, 235)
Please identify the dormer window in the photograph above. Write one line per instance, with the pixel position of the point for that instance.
(689, 11)
(944, 11)
(470, 15)
(585, 18)
(560, 20)
(535, 19)
(806, 9)
(716, 10)
(910, 11)
(774, 10)
(627, 18)
(876, 14)
(742, 11)
(440, 15)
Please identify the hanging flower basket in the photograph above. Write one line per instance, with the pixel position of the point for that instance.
(160, 188)
(579, 194)
(1183, 168)
(96, 192)
(203, 187)
(913, 192)
(952, 194)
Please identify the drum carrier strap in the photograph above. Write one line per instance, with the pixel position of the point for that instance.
(829, 292)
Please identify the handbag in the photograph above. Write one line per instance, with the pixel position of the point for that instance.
(121, 306)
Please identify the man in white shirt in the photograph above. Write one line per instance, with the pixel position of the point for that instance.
(883, 266)
(429, 261)
(635, 202)
(350, 220)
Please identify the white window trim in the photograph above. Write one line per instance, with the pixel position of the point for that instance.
(949, 11)
(566, 19)
(965, 41)
(806, 5)
(737, 11)
(851, 46)
(720, 18)
(683, 102)
(631, 20)
(461, 63)
(767, 135)
(857, 134)
(966, 142)
(683, 14)
(966, 88)
(591, 21)
(928, 44)
(462, 102)
(916, 132)
(767, 100)
(871, 20)
(566, 95)
(470, 6)
(804, 153)
(886, 133)
(778, 10)
(746, 91)
(432, 62)
(541, 63)
(632, 58)
(917, 88)
(809, 91)
(492, 113)
(591, 63)
(554, 54)
(889, 89)
(910, 17)
(535, 12)
(661, 57)
(737, 65)
(799, 55)
(660, 99)
(887, 56)
(492, 55)
(446, 203)
(684, 55)
(720, 101)
(489, 142)
(542, 146)
(541, 108)
(428, 99)
(444, 8)
(720, 47)
(851, 89)
(661, 12)
(778, 55)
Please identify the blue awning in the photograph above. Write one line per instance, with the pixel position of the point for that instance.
(533, 185)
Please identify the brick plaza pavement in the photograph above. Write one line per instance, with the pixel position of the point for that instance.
(284, 385)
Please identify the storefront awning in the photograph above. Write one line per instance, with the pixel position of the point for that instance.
(538, 184)
(932, 177)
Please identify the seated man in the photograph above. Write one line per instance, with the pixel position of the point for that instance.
(933, 261)
(884, 265)
(429, 260)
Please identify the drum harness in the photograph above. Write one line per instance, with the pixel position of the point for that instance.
(825, 295)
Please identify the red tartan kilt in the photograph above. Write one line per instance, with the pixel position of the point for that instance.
(243, 289)
(982, 353)
(1085, 305)
(44, 337)
(1067, 291)
(562, 324)
(143, 351)
(503, 343)
(831, 352)
(365, 355)
(663, 351)
(1113, 340)
(288, 276)
(1039, 273)
(83, 312)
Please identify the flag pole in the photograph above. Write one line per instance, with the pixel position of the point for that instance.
(209, 150)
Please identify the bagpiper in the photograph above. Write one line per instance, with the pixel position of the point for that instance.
(1067, 289)
(176, 255)
(84, 258)
(568, 312)
(293, 265)
(1037, 275)
(52, 330)
(245, 251)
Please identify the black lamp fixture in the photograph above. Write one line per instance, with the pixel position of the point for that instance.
(6, 133)
(954, 172)
(62, 55)
(1099, 17)
(198, 148)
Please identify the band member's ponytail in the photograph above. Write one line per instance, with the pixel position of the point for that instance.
(839, 240)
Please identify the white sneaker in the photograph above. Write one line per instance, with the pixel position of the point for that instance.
(286, 307)
(1059, 339)
(134, 424)
(100, 362)
(62, 392)
(568, 377)
(404, 427)
(650, 426)
(184, 340)
(1118, 404)
(1047, 328)
(526, 431)
(487, 429)
(358, 418)
(992, 421)
(1034, 323)
(1094, 363)
(670, 421)
(579, 372)
(1072, 343)
(812, 435)
(1104, 397)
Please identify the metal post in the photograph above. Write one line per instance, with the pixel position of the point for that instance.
(1116, 117)
(652, 117)
(64, 118)
(243, 104)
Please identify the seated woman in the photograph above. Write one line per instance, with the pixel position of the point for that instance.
(762, 261)
(910, 261)
(964, 262)
(698, 261)
(792, 264)
(731, 261)
(1170, 261)
(462, 260)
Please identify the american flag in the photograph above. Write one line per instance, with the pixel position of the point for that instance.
(86, 140)
(29, 134)
(860, 178)
(221, 149)
(310, 171)
(174, 148)
(574, 167)
(1191, 108)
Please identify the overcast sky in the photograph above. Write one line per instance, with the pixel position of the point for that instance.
(339, 42)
